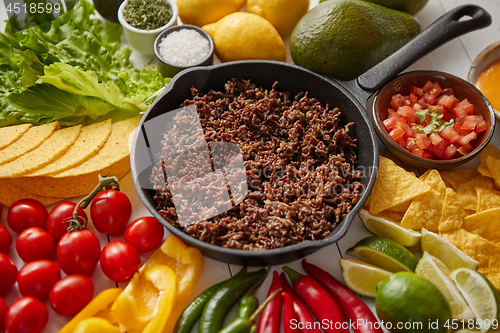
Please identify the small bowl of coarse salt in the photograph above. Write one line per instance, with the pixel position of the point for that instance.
(183, 46)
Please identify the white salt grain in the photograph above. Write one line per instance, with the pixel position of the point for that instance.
(185, 47)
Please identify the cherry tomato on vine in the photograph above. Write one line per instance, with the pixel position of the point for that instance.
(59, 218)
(5, 239)
(26, 213)
(120, 261)
(78, 252)
(37, 277)
(71, 294)
(110, 212)
(26, 315)
(8, 273)
(35, 243)
(3, 311)
(145, 234)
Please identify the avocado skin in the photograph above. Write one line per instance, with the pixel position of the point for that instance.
(408, 6)
(344, 38)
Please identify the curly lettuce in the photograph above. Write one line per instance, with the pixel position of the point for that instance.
(73, 70)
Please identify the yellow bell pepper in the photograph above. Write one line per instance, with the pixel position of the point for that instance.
(96, 325)
(98, 307)
(167, 278)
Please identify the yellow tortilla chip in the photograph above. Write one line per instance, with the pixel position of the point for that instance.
(494, 271)
(50, 149)
(467, 193)
(29, 141)
(483, 169)
(423, 176)
(486, 199)
(452, 215)
(457, 177)
(474, 246)
(401, 208)
(425, 210)
(10, 134)
(91, 139)
(398, 162)
(10, 193)
(394, 186)
(113, 159)
(485, 224)
(493, 164)
(392, 215)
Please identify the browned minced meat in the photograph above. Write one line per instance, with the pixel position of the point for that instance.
(299, 166)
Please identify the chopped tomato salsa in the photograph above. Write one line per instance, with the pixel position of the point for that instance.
(432, 123)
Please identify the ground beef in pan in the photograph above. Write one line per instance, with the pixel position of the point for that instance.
(299, 164)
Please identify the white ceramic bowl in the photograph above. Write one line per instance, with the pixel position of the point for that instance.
(482, 61)
(143, 40)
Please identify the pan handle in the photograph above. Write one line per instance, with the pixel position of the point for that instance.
(444, 29)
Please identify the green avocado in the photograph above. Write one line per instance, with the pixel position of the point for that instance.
(408, 6)
(344, 38)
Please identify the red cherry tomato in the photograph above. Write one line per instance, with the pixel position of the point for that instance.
(37, 277)
(8, 273)
(78, 252)
(120, 261)
(110, 211)
(35, 243)
(5, 238)
(26, 315)
(26, 213)
(59, 218)
(3, 311)
(145, 234)
(71, 294)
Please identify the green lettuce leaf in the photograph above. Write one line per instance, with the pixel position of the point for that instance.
(72, 69)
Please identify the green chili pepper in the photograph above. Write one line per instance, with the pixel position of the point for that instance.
(248, 305)
(219, 305)
(193, 312)
(247, 325)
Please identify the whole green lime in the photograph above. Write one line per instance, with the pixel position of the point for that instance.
(410, 303)
(344, 38)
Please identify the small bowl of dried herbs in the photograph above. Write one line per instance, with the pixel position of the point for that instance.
(144, 20)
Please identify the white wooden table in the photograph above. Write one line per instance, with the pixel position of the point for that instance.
(455, 57)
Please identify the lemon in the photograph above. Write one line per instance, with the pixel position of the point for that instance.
(406, 302)
(446, 252)
(384, 253)
(384, 227)
(283, 14)
(362, 278)
(435, 271)
(243, 36)
(481, 296)
(201, 12)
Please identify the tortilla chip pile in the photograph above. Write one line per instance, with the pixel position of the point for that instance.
(50, 164)
(463, 206)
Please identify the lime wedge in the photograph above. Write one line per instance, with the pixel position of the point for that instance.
(362, 278)
(482, 297)
(384, 253)
(386, 228)
(446, 252)
(435, 271)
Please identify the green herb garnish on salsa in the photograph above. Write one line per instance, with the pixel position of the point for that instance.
(147, 14)
(432, 123)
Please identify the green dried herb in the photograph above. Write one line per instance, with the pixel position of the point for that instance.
(147, 14)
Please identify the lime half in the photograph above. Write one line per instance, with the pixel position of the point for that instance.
(435, 271)
(481, 296)
(446, 252)
(362, 278)
(384, 253)
(386, 228)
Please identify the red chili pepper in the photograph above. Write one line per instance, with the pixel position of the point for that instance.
(319, 300)
(306, 322)
(270, 319)
(352, 306)
(290, 319)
